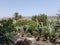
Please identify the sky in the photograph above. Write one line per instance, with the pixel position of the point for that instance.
(29, 7)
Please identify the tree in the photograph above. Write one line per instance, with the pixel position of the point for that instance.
(58, 19)
(17, 16)
(34, 18)
(42, 18)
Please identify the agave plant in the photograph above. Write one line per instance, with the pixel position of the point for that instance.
(6, 28)
(52, 32)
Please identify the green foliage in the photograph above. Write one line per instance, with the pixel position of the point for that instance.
(35, 33)
(40, 18)
(38, 27)
(6, 25)
(6, 28)
(34, 18)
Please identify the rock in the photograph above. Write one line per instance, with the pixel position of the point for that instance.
(25, 42)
